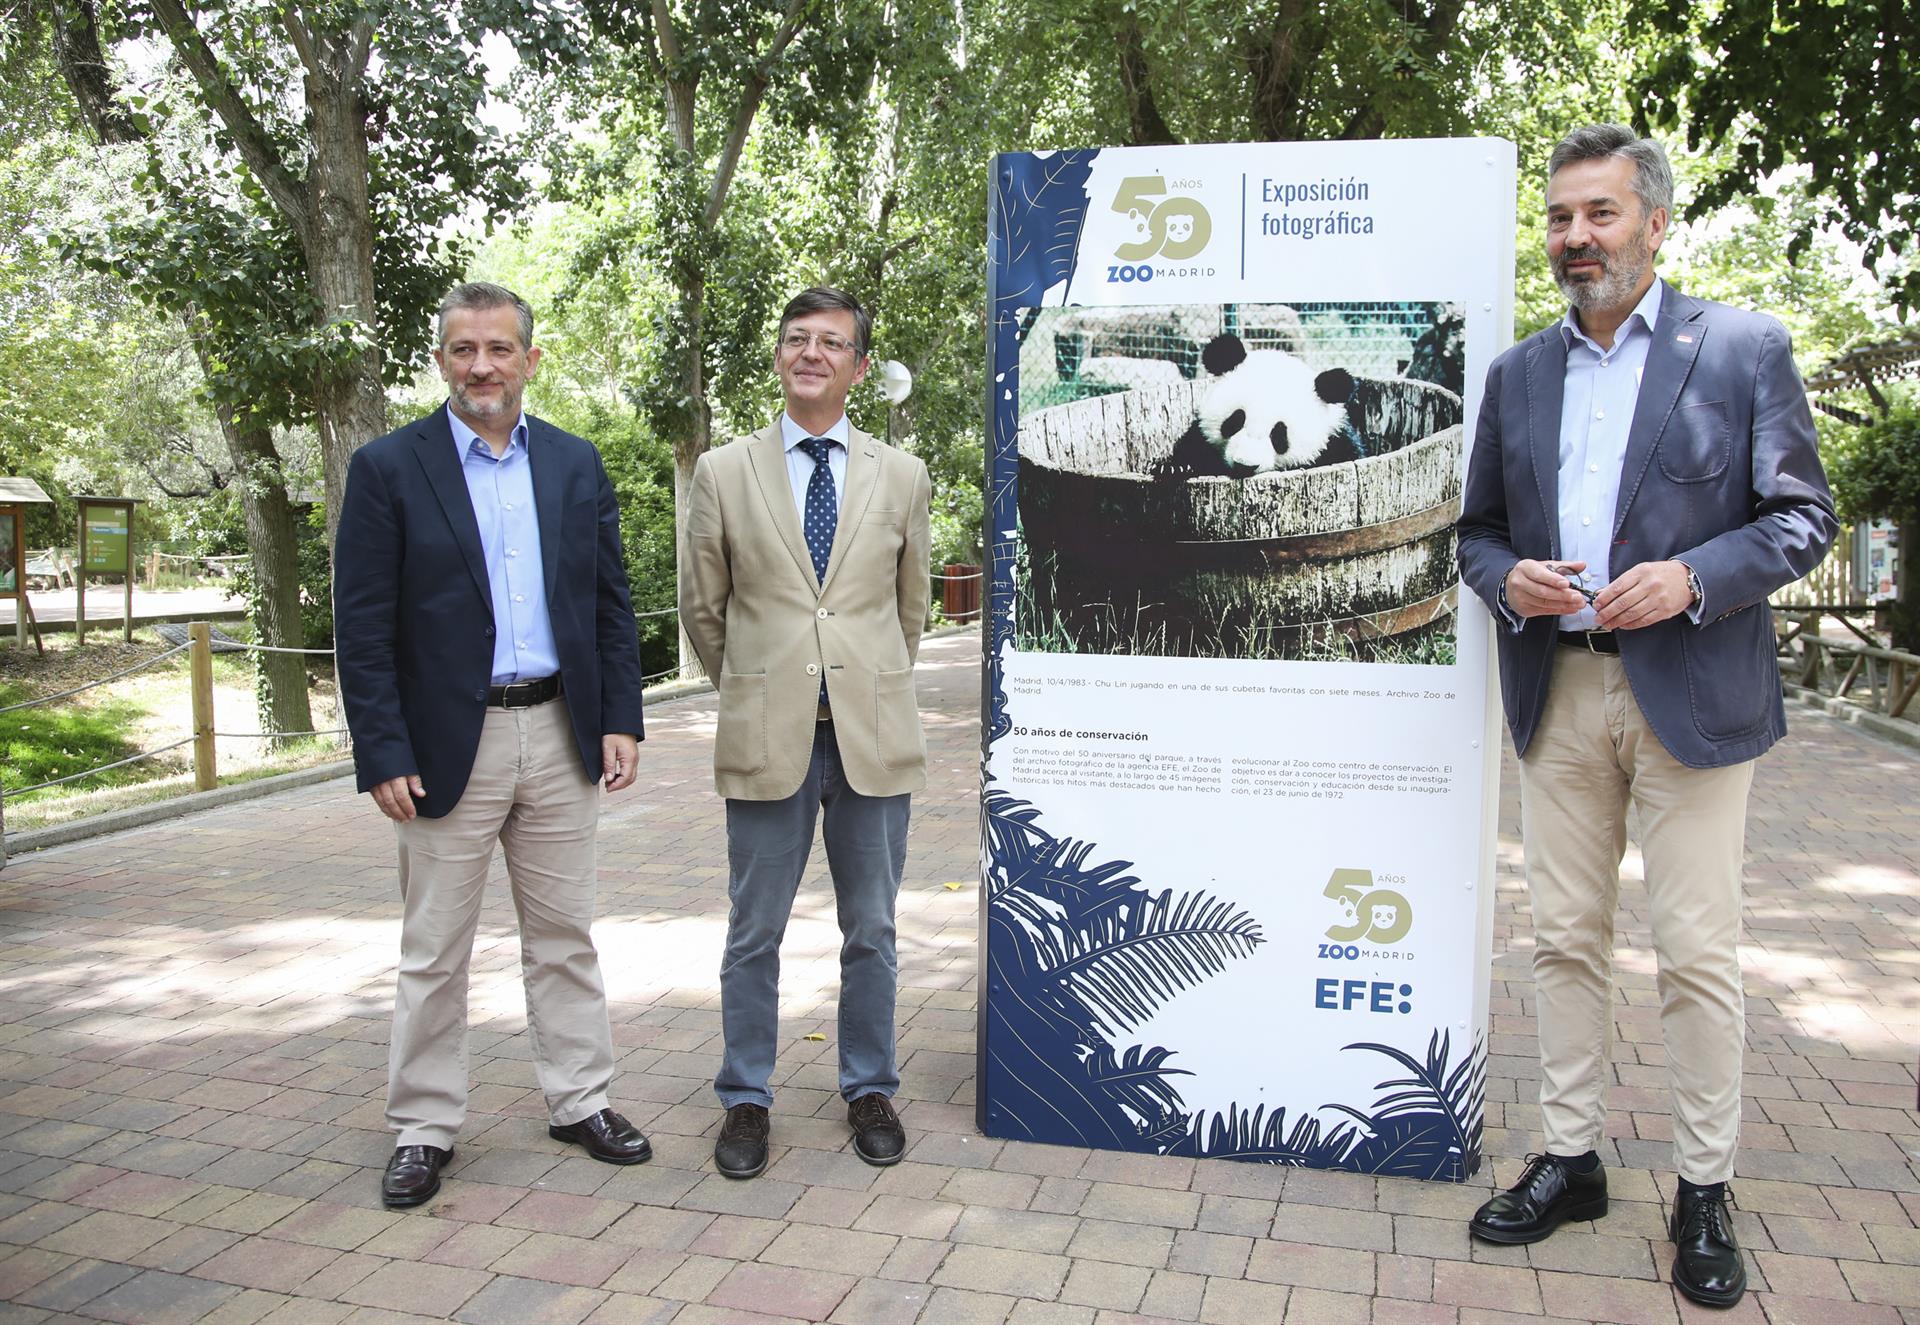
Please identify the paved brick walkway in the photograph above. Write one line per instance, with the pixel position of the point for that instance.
(192, 1061)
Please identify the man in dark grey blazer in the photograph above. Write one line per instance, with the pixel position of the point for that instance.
(1644, 474)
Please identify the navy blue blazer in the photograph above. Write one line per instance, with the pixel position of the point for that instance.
(1721, 472)
(413, 616)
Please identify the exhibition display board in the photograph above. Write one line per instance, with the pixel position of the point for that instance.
(1240, 766)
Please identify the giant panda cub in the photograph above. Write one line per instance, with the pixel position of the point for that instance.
(1264, 411)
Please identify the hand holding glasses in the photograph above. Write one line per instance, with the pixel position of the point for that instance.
(1577, 580)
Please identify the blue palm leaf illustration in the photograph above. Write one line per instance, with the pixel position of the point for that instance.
(1265, 1137)
(1126, 960)
(1428, 1123)
(1033, 228)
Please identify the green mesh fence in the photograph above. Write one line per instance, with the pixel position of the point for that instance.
(1071, 353)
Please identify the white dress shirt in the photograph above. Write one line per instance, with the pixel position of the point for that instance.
(1596, 413)
(800, 464)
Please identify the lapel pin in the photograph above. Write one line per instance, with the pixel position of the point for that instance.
(1684, 339)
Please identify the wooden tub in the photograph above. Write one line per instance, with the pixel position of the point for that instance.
(1333, 561)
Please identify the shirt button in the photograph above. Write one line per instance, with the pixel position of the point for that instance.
(1586, 519)
(507, 506)
(519, 598)
(1599, 414)
(513, 551)
(813, 669)
(822, 614)
(521, 644)
(1593, 469)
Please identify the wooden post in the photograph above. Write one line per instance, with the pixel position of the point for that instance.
(200, 658)
(80, 581)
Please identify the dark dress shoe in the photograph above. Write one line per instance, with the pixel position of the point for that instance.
(607, 1136)
(413, 1175)
(1707, 1266)
(1547, 1196)
(741, 1149)
(878, 1136)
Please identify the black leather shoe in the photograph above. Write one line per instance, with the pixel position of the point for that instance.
(878, 1136)
(1707, 1266)
(741, 1149)
(1547, 1196)
(413, 1175)
(607, 1136)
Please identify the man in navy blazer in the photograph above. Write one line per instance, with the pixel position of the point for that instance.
(490, 671)
(1643, 475)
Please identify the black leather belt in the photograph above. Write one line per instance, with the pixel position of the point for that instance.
(826, 714)
(524, 694)
(1593, 641)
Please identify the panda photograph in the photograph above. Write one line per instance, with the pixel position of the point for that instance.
(1272, 481)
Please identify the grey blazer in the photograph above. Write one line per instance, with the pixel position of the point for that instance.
(1721, 472)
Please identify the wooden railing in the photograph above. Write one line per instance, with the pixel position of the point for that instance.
(1840, 667)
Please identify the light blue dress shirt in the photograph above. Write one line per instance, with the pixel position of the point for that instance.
(501, 489)
(1596, 413)
(800, 464)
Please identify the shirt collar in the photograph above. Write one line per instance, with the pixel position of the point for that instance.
(1647, 310)
(464, 437)
(792, 434)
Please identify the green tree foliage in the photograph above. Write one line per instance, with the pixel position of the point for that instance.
(1832, 86)
(1875, 473)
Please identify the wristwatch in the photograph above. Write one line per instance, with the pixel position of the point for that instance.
(1693, 587)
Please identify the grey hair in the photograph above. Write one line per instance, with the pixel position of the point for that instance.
(826, 299)
(1652, 176)
(480, 296)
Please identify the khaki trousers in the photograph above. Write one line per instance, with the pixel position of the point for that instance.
(528, 792)
(1593, 754)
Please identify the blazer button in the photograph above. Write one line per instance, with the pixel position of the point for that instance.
(813, 669)
(489, 632)
(822, 614)
(480, 695)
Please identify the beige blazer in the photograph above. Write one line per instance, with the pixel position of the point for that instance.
(767, 630)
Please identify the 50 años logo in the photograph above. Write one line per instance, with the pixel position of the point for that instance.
(1164, 225)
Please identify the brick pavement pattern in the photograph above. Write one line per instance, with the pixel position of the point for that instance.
(193, 1029)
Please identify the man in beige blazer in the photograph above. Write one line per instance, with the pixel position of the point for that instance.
(803, 586)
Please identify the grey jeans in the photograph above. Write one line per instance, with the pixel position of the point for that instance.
(768, 843)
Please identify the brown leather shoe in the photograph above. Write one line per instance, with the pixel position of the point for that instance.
(607, 1136)
(413, 1175)
(878, 1136)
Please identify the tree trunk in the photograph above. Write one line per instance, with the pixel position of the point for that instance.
(351, 401)
(273, 546)
(692, 441)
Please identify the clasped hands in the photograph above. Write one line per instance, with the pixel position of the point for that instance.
(1642, 596)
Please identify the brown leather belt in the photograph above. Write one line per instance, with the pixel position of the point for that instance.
(1593, 641)
(524, 694)
(826, 714)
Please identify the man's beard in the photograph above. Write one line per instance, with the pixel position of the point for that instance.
(1618, 275)
(499, 407)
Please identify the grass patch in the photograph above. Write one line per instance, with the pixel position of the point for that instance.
(51, 741)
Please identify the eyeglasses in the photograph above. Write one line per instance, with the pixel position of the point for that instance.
(1576, 581)
(798, 341)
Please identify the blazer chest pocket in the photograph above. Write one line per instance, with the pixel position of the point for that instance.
(882, 515)
(1697, 444)
(740, 743)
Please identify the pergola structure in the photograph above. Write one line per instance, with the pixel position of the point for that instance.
(1867, 368)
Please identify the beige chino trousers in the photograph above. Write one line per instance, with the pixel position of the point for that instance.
(529, 793)
(1592, 755)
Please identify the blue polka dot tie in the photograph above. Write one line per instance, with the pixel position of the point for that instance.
(821, 515)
